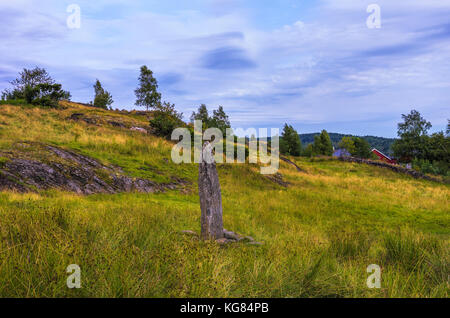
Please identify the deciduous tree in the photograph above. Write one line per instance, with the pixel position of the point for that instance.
(147, 94)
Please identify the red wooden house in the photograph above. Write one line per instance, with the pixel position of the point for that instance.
(383, 157)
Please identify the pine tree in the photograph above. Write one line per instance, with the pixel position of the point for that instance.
(220, 120)
(102, 98)
(290, 143)
(322, 144)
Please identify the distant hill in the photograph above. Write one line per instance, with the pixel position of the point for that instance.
(381, 143)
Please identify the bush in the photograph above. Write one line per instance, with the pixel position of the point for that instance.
(164, 123)
(435, 167)
(14, 102)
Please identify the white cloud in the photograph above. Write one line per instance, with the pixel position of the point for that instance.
(328, 69)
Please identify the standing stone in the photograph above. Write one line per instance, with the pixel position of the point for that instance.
(210, 196)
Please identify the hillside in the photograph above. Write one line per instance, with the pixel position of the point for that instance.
(92, 187)
(381, 143)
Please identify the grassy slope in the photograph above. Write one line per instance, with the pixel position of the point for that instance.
(320, 234)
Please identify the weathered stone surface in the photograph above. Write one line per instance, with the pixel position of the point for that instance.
(223, 241)
(278, 178)
(249, 238)
(140, 129)
(231, 235)
(210, 196)
(291, 163)
(34, 166)
(116, 124)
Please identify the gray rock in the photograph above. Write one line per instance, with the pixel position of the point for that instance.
(210, 196)
(140, 129)
(231, 235)
(223, 241)
(249, 238)
(32, 166)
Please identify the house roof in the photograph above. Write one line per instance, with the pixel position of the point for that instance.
(375, 149)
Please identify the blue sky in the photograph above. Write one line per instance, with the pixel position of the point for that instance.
(312, 64)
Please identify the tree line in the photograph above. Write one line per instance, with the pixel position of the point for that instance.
(415, 146)
(290, 144)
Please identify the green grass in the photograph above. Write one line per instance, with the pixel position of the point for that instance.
(319, 234)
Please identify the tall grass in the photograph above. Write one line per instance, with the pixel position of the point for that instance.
(319, 234)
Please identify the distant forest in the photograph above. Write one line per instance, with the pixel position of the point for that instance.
(381, 143)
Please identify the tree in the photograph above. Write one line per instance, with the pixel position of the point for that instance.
(220, 120)
(32, 77)
(438, 148)
(147, 94)
(448, 127)
(322, 144)
(102, 98)
(203, 115)
(290, 143)
(308, 151)
(362, 148)
(413, 137)
(47, 94)
(348, 144)
(35, 86)
(24, 86)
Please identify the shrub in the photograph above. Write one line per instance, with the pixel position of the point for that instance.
(435, 167)
(14, 102)
(165, 120)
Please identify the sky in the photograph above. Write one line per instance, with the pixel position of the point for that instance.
(314, 64)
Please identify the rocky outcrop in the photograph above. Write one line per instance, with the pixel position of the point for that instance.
(278, 179)
(291, 163)
(98, 120)
(35, 166)
(228, 237)
(142, 130)
(399, 169)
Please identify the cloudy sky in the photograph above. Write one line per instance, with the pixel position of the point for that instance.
(312, 63)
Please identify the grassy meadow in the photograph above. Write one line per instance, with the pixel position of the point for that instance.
(319, 234)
